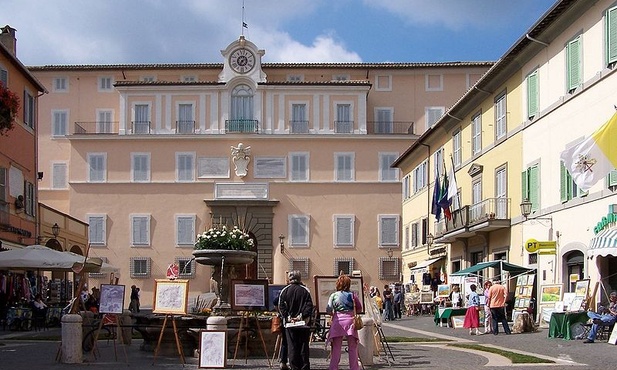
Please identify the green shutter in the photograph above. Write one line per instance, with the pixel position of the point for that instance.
(563, 183)
(524, 185)
(612, 178)
(611, 35)
(534, 191)
(573, 54)
(532, 94)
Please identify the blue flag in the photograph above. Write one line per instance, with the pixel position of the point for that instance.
(435, 207)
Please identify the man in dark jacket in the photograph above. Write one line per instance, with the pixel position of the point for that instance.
(295, 305)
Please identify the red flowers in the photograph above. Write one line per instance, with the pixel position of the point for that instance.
(9, 105)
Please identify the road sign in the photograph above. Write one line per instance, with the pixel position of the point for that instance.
(533, 246)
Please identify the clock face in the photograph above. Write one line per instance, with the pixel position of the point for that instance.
(242, 60)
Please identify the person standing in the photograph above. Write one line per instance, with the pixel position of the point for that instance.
(472, 316)
(497, 295)
(341, 306)
(388, 312)
(284, 348)
(397, 299)
(296, 304)
(134, 304)
(487, 311)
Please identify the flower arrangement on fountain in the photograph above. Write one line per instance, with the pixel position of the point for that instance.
(221, 238)
(9, 106)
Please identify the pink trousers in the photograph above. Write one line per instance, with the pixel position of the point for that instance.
(352, 347)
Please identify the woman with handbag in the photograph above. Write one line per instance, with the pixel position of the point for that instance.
(472, 316)
(343, 306)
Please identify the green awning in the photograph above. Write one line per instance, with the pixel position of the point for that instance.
(505, 266)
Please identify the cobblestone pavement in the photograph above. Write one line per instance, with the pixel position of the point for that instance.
(22, 350)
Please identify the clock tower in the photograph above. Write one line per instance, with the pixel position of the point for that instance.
(242, 58)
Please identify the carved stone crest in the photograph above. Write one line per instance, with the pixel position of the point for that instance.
(240, 155)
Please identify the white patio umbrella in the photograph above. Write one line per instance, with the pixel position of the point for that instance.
(39, 257)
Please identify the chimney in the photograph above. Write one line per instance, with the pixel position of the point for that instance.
(8, 39)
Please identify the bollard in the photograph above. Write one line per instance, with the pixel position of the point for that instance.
(71, 339)
(217, 323)
(366, 344)
(125, 323)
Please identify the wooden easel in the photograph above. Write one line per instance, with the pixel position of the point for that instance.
(244, 322)
(277, 346)
(116, 319)
(158, 345)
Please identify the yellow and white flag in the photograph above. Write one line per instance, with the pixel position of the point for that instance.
(595, 157)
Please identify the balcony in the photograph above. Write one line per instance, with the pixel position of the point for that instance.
(140, 127)
(185, 127)
(299, 127)
(343, 127)
(241, 125)
(486, 216)
(96, 128)
(4, 213)
(390, 128)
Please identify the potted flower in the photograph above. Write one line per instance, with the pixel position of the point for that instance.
(221, 238)
(9, 105)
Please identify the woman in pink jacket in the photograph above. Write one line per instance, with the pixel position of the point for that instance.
(341, 308)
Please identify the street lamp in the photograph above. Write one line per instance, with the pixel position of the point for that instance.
(526, 208)
(390, 253)
(55, 230)
(282, 243)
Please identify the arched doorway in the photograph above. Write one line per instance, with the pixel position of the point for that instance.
(574, 263)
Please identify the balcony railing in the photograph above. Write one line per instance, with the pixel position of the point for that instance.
(241, 125)
(185, 127)
(494, 211)
(4, 213)
(343, 127)
(390, 128)
(96, 128)
(140, 127)
(489, 209)
(299, 127)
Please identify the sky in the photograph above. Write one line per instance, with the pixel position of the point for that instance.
(290, 31)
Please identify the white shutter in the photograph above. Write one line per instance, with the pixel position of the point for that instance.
(59, 176)
(344, 230)
(185, 167)
(96, 230)
(299, 230)
(141, 230)
(60, 118)
(388, 230)
(299, 167)
(186, 230)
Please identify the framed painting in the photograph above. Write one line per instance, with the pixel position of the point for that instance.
(170, 296)
(550, 293)
(273, 291)
(577, 304)
(112, 299)
(457, 321)
(247, 295)
(443, 291)
(582, 288)
(426, 297)
(326, 285)
(213, 349)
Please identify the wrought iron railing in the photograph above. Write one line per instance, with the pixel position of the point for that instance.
(241, 125)
(96, 128)
(343, 127)
(390, 128)
(299, 127)
(185, 127)
(140, 127)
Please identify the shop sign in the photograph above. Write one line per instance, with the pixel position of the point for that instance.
(533, 246)
(610, 218)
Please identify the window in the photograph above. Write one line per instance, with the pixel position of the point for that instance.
(141, 119)
(407, 237)
(104, 120)
(568, 189)
(476, 134)
(476, 198)
(60, 84)
(406, 187)
(388, 230)
(383, 83)
(501, 192)
(501, 126)
(574, 64)
(295, 78)
(299, 164)
(433, 82)
(383, 121)
(186, 120)
(270, 167)
(59, 174)
(185, 167)
(433, 114)
(387, 173)
(185, 230)
(4, 76)
(300, 264)
(60, 122)
(477, 257)
(148, 78)
(140, 230)
(530, 186)
(3, 187)
(213, 167)
(424, 234)
(140, 267)
(29, 109)
(611, 179)
(140, 167)
(340, 77)
(499, 256)
(611, 35)
(344, 166)
(533, 94)
(29, 199)
(186, 267)
(106, 84)
(389, 268)
(97, 167)
(343, 266)
(299, 122)
(344, 230)
(189, 78)
(415, 235)
(439, 163)
(97, 229)
(242, 103)
(457, 155)
(344, 120)
(420, 177)
(299, 230)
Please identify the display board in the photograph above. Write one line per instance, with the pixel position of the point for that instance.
(524, 290)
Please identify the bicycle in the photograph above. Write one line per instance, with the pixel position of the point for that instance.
(107, 332)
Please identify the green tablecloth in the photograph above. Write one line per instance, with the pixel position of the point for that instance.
(561, 323)
(447, 313)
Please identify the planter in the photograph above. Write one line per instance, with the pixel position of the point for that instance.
(224, 262)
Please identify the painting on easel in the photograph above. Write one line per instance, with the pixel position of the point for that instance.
(249, 295)
(170, 296)
(112, 299)
(212, 349)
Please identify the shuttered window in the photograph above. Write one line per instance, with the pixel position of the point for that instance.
(299, 230)
(344, 230)
(388, 230)
(533, 98)
(140, 230)
(574, 64)
(611, 35)
(185, 230)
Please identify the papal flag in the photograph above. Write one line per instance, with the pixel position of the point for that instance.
(593, 159)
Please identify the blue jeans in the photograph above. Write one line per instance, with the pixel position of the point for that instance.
(388, 312)
(498, 315)
(607, 319)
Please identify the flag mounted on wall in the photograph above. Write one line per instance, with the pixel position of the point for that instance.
(595, 157)
(435, 207)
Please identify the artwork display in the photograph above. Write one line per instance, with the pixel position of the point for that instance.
(443, 291)
(550, 293)
(249, 295)
(523, 291)
(426, 297)
(273, 291)
(213, 349)
(170, 296)
(576, 304)
(326, 285)
(112, 299)
(568, 299)
(457, 321)
(582, 288)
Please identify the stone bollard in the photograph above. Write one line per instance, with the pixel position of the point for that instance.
(366, 344)
(217, 323)
(125, 323)
(71, 339)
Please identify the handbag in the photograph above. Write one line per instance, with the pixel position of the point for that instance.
(276, 325)
(357, 319)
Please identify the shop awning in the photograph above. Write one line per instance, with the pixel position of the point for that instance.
(422, 267)
(505, 266)
(603, 244)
